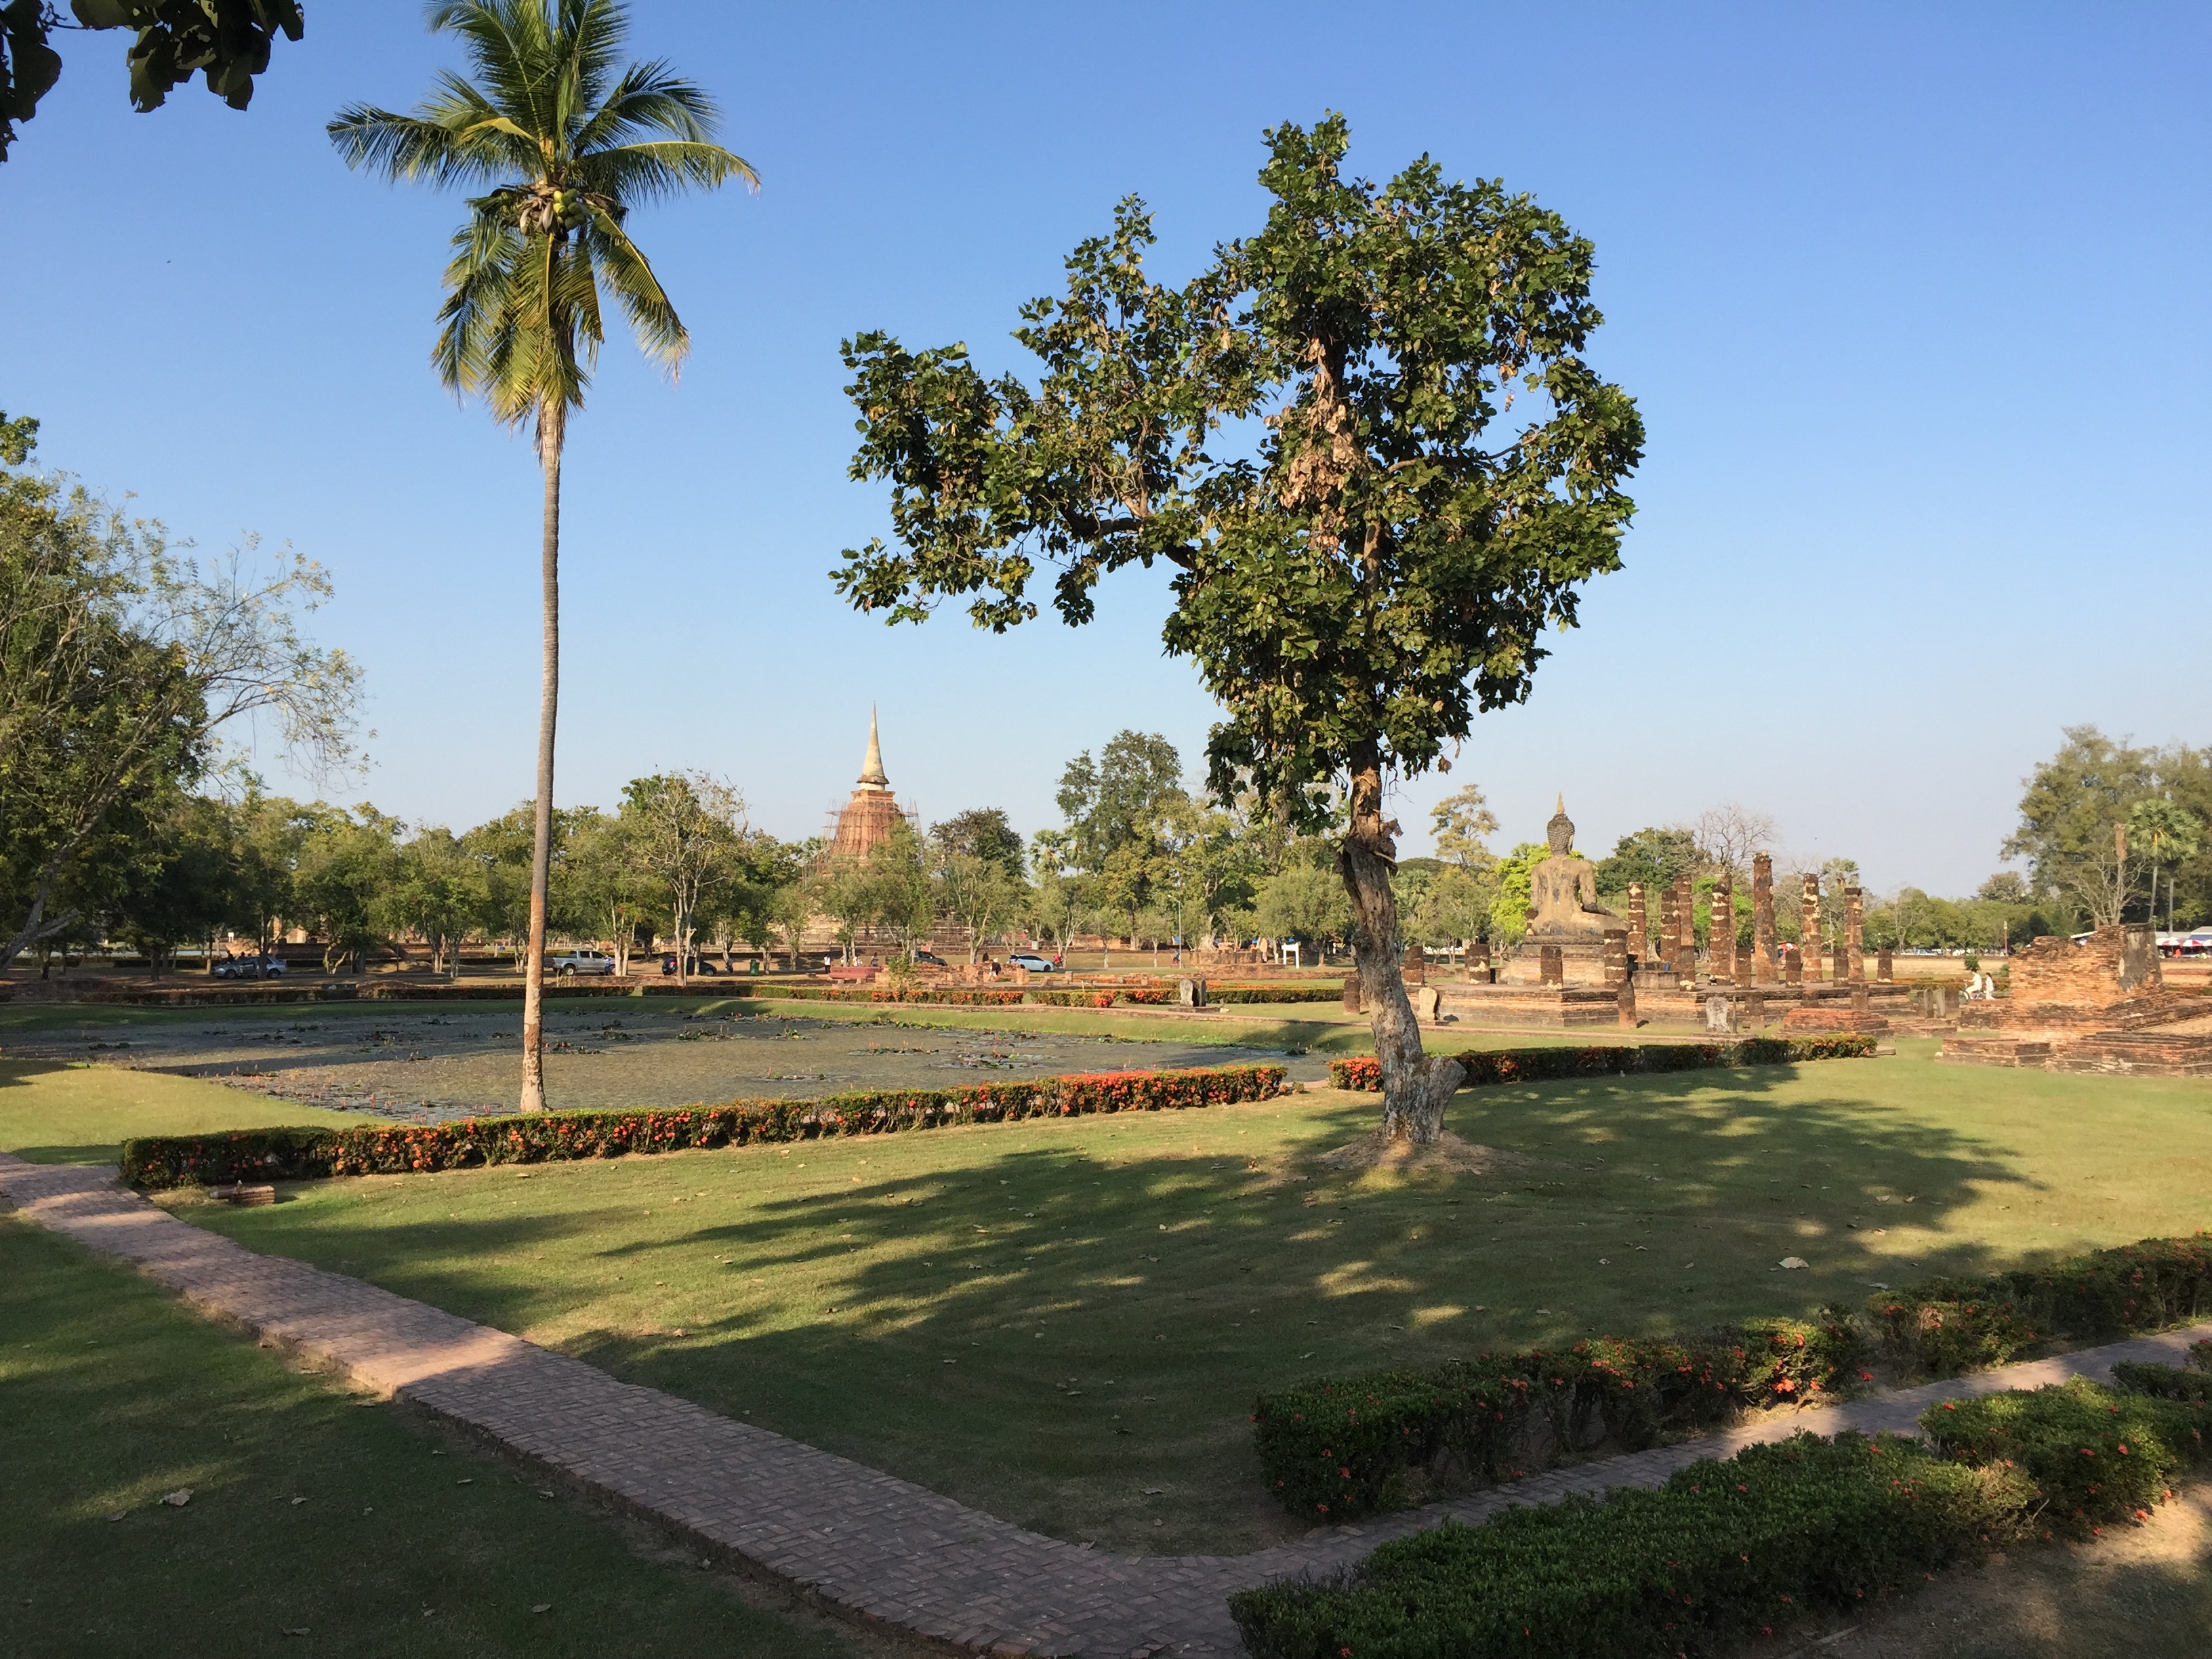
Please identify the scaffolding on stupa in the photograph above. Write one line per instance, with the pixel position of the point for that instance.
(864, 822)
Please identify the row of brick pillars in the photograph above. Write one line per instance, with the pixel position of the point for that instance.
(1762, 965)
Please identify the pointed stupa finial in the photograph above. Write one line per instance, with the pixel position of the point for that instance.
(871, 770)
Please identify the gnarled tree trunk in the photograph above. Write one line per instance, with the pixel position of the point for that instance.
(1416, 1087)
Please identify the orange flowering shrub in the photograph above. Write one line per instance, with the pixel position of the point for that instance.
(163, 1161)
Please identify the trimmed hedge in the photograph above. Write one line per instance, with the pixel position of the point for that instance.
(1335, 1449)
(1236, 994)
(152, 1163)
(1723, 1553)
(2096, 1455)
(1945, 1327)
(1338, 1449)
(957, 997)
(1486, 1067)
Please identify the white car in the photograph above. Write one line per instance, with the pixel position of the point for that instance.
(1035, 965)
(249, 966)
(581, 962)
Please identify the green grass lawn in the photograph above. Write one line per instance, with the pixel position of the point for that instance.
(52, 1112)
(318, 1525)
(1065, 1322)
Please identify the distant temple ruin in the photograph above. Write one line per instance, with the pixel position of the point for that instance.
(866, 821)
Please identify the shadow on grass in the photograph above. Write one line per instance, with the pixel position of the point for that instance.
(306, 1513)
(1061, 1330)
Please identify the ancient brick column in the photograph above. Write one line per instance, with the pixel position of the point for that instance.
(1667, 927)
(1415, 965)
(1762, 918)
(1855, 933)
(1551, 965)
(1882, 966)
(1478, 962)
(1639, 927)
(1839, 963)
(1685, 932)
(1724, 928)
(1808, 928)
(1614, 954)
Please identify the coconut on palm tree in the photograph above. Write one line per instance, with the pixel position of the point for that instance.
(564, 143)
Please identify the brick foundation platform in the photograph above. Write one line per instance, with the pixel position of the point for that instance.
(1555, 1007)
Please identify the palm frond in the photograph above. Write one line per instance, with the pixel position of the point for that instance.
(511, 49)
(394, 146)
(650, 98)
(660, 332)
(480, 281)
(654, 172)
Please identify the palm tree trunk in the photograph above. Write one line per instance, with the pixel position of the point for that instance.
(552, 419)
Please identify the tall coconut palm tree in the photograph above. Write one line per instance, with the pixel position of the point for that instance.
(566, 143)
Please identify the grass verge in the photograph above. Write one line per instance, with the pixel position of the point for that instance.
(1065, 1322)
(317, 1525)
(55, 1112)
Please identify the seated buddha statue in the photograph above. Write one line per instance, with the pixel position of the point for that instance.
(1563, 907)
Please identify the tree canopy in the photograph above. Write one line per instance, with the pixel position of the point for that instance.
(1307, 432)
(1654, 856)
(228, 41)
(122, 659)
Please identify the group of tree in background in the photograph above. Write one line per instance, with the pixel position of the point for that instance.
(124, 664)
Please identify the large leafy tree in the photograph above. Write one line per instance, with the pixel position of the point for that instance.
(565, 141)
(1320, 433)
(122, 659)
(1653, 856)
(2069, 810)
(687, 831)
(1119, 810)
(228, 41)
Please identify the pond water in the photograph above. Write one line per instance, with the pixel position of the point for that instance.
(432, 1064)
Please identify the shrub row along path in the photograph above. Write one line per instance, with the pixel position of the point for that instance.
(861, 1539)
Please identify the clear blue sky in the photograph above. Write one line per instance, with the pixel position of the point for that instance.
(1914, 298)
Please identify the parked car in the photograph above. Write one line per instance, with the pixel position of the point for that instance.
(580, 962)
(699, 965)
(1031, 960)
(931, 957)
(250, 968)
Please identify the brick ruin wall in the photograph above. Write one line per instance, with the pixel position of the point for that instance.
(2111, 963)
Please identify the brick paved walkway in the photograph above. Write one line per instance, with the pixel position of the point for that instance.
(864, 1540)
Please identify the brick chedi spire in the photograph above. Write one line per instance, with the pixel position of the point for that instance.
(871, 770)
(864, 823)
